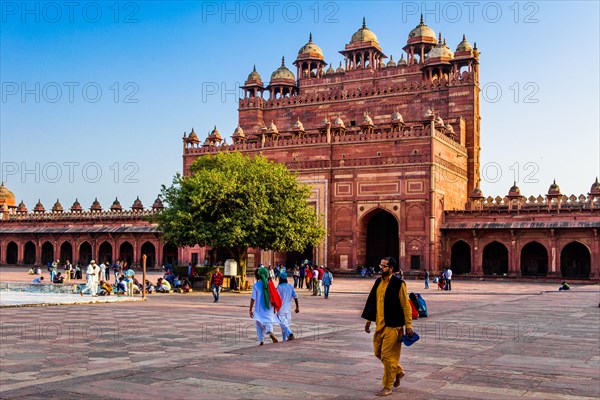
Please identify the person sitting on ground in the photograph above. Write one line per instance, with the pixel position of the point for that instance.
(38, 271)
(38, 280)
(58, 278)
(565, 286)
(170, 277)
(105, 288)
(185, 286)
(122, 285)
(163, 286)
(149, 287)
(31, 271)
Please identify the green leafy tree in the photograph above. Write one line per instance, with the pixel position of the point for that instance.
(235, 202)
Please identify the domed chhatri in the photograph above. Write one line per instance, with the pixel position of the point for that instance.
(310, 50)
(116, 205)
(137, 204)
(57, 207)
(39, 207)
(22, 208)
(254, 77)
(158, 204)
(283, 74)
(76, 207)
(7, 197)
(464, 46)
(96, 205)
(364, 34)
(440, 52)
(595, 189)
(514, 190)
(421, 33)
(554, 189)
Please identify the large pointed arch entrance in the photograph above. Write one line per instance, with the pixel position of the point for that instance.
(380, 229)
(293, 258)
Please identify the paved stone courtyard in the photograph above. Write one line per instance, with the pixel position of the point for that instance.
(483, 340)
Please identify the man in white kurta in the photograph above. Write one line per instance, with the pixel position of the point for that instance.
(287, 293)
(259, 311)
(91, 276)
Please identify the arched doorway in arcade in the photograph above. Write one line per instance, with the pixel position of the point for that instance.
(12, 253)
(170, 254)
(298, 257)
(382, 238)
(105, 253)
(460, 259)
(66, 252)
(85, 254)
(29, 255)
(495, 259)
(126, 253)
(575, 261)
(47, 253)
(534, 260)
(149, 250)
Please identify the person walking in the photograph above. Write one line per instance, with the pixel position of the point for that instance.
(327, 281)
(296, 276)
(302, 276)
(426, 279)
(388, 305)
(287, 293)
(315, 281)
(216, 283)
(68, 269)
(261, 309)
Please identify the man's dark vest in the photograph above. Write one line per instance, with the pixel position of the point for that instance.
(393, 313)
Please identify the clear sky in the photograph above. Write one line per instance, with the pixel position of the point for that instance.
(96, 95)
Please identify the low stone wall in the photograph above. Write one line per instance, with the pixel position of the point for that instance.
(41, 288)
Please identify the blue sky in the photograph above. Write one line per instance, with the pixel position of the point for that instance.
(96, 95)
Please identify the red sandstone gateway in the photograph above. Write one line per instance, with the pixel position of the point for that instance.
(392, 153)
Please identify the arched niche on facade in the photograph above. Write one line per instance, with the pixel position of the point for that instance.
(66, 252)
(460, 258)
(29, 253)
(126, 253)
(575, 261)
(149, 251)
(47, 253)
(105, 252)
(12, 253)
(495, 259)
(85, 254)
(534, 259)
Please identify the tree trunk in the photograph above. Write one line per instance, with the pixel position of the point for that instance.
(240, 255)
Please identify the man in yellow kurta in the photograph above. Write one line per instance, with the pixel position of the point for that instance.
(388, 305)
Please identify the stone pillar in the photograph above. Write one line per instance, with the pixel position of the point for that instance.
(553, 257)
(21, 252)
(595, 256)
(476, 261)
(2, 252)
(38, 252)
(136, 251)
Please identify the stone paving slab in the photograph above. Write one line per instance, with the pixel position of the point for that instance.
(483, 340)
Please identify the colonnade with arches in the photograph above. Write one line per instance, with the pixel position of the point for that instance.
(39, 250)
(526, 253)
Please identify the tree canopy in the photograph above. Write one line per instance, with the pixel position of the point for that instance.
(235, 202)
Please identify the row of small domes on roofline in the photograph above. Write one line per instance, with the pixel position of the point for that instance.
(76, 207)
(420, 34)
(553, 190)
(238, 133)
